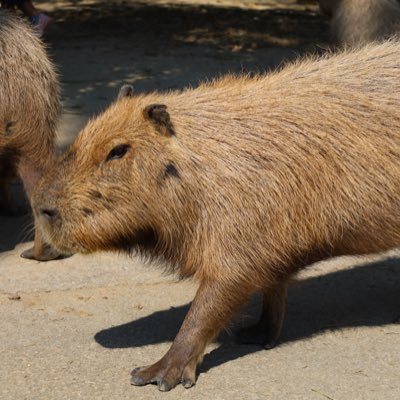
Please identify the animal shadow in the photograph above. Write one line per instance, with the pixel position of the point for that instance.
(16, 228)
(366, 295)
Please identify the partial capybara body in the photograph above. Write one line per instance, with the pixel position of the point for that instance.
(240, 183)
(29, 108)
(355, 22)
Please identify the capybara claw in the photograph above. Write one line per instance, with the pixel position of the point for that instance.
(187, 383)
(166, 377)
(137, 380)
(164, 386)
(140, 376)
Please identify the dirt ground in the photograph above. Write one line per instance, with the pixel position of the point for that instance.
(74, 328)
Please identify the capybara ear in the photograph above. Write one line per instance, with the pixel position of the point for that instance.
(159, 116)
(125, 91)
(7, 129)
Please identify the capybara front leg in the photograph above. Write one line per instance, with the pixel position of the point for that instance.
(213, 306)
(267, 331)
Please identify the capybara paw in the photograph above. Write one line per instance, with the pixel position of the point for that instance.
(256, 335)
(166, 377)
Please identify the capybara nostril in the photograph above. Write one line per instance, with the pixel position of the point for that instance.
(49, 213)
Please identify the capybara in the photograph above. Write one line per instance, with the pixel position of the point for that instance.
(355, 22)
(239, 183)
(29, 110)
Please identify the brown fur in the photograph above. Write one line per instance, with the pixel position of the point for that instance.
(29, 106)
(245, 182)
(354, 22)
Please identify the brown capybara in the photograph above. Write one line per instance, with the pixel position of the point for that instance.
(355, 22)
(29, 110)
(239, 183)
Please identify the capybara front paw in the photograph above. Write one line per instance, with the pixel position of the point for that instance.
(165, 376)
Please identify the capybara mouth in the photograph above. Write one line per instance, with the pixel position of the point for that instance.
(61, 243)
(54, 230)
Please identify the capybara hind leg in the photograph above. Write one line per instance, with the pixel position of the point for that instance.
(267, 330)
(213, 306)
(41, 251)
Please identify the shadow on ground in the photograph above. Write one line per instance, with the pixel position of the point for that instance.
(164, 47)
(367, 295)
(158, 27)
(18, 228)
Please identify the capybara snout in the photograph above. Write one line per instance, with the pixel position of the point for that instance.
(240, 183)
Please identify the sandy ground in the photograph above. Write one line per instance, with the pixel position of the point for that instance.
(74, 328)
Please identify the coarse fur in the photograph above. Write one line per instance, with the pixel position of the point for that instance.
(240, 183)
(355, 22)
(29, 106)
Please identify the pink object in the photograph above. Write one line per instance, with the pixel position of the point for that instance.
(42, 23)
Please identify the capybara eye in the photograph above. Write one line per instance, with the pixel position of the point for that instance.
(118, 152)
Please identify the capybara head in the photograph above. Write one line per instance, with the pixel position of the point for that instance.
(106, 187)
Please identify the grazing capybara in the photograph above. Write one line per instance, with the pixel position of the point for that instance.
(239, 183)
(355, 22)
(29, 110)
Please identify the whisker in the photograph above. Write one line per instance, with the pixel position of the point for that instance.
(26, 232)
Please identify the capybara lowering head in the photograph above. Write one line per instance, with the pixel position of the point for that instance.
(355, 22)
(240, 182)
(29, 102)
